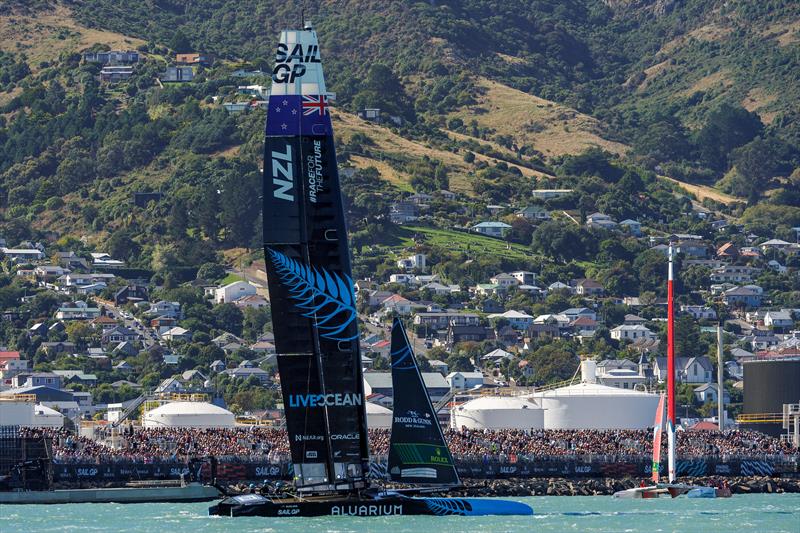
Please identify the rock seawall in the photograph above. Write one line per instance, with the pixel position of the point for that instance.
(607, 487)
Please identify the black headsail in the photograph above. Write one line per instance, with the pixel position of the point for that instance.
(418, 452)
(310, 284)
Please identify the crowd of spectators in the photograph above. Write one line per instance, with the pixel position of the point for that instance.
(271, 444)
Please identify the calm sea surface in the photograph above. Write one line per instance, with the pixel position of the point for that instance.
(771, 513)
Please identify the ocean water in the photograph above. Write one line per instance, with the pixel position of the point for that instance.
(762, 513)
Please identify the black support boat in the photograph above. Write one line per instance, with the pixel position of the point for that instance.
(316, 331)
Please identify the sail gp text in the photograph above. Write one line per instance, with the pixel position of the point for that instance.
(314, 165)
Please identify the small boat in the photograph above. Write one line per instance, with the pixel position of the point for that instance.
(316, 331)
(671, 488)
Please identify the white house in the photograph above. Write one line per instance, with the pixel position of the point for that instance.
(464, 380)
(505, 280)
(22, 254)
(600, 220)
(413, 261)
(687, 369)
(778, 319)
(101, 259)
(233, 291)
(492, 229)
(699, 312)
(176, 334)
(707, 392)
(633, 333)
(525, 277)
(404, 279)
(516, 319)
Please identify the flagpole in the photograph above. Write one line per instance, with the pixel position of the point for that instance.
(670, 370)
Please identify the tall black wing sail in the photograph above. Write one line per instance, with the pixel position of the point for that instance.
(418, 452)
(310, 284)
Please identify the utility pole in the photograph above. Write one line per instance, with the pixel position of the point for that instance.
(720, 391)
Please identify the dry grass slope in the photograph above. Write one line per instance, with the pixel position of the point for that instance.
(549, 127)
(51, 32)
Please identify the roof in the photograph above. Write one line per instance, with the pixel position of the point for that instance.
(497, 353)
(502, 225)
(383, 380)
(584, 321)
(511, 314)
(591, 389)
(189, 408)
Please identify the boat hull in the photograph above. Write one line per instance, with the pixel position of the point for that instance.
(390, 505)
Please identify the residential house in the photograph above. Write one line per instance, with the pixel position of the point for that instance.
(699, 312)
(119, 334)
(601, 221)
(377, 297)
(37, 379)
(631, 333)
(165, 309)
(728, 251)
(54, 348)
(76, 376)
(403, 212)
(403, 279)
(558, 286)
(177, 74)
(464, 380)
(496, 355)
(177, 334)
(217, 366)
(534, 213)
(620, 373)
(633, 320)
(549, 194)
(126, 348)
(584, 326)
(516, 319)
(777, 244)
(439, 366)
(420, 198)
(492, 229)
(233, 291)
(22, 255)
(124, 366)
(194, 58)
(536, 331)
(112, 57)
(49, 273)
(574, 313)
(103, 260)
(524, 277)
(443, 320)
(746, 296)
(687, 369)
(77, 311)
(708, 393)
(691, 248)
(780, 321)
(488, 289)
(633, 227)
(504, 281)
(412, 262)
(131, 293)
(253, 301)
(587, 287)
(733, 274)
(397, 304)
(456, 334)
(115, 73)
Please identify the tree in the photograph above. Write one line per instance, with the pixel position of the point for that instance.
(756, 163)
(179, 43)
(228, 317)
(726, 128)
(211, 272)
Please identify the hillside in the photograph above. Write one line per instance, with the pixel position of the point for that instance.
(599, 97)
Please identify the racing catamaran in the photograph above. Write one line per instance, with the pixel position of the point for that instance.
(316, 330)
(671, 488)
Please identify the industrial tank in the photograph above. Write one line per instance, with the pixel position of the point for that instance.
(589, 405)
(768, 385)
(188, 415)
(498, 412)
(378, 416)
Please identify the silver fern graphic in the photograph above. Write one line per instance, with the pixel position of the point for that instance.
(325, 296)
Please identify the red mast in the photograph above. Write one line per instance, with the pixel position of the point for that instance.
(670, 345)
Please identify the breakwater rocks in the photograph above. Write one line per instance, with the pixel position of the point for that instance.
(607, 487)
